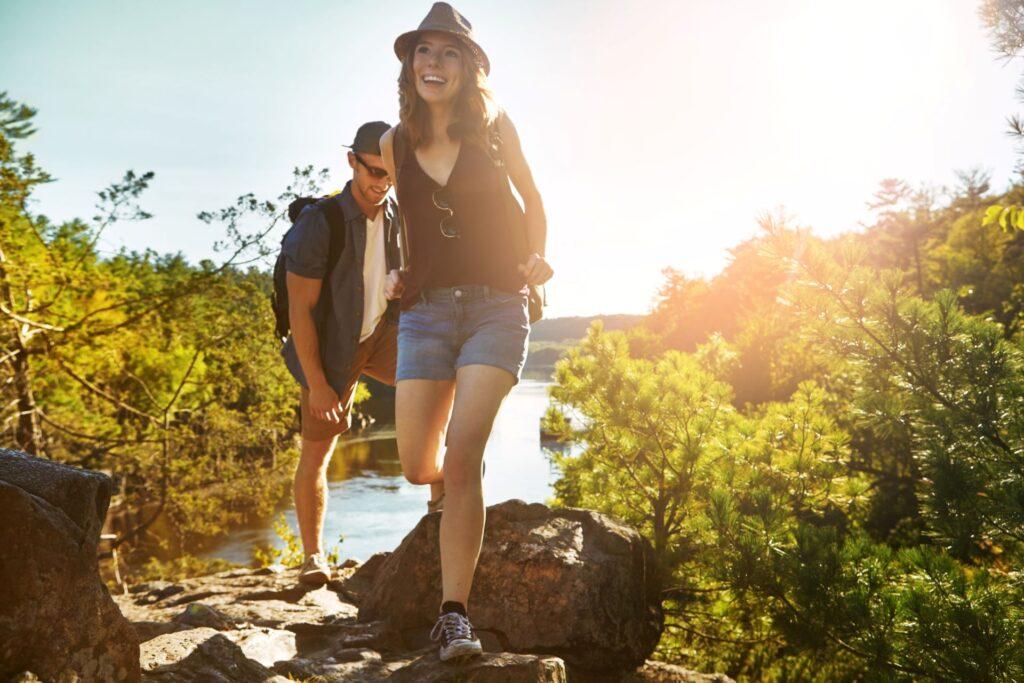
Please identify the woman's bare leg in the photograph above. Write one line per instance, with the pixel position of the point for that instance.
(422, 409)
(479, 391)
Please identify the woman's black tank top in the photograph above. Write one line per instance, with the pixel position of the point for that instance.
(488, 218)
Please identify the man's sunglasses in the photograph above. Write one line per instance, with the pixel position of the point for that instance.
(378, 173)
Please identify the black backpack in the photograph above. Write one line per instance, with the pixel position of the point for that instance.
(336, 222)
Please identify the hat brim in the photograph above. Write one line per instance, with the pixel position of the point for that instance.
(407, 41)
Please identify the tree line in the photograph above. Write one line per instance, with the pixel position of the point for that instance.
(164, 373)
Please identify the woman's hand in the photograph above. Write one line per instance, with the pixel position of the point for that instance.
(393, 285)
(536, 270)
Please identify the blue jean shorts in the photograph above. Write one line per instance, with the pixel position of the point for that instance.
(450, 327)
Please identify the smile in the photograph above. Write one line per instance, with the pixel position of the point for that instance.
(430, 78)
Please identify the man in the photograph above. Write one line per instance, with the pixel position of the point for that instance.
(343, 321)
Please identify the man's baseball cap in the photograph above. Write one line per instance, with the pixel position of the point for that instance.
(368, 137)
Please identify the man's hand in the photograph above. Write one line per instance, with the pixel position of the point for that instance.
(393, 285)
(325, 404)
(536, 270)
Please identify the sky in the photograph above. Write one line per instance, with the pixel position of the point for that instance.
(657, 131)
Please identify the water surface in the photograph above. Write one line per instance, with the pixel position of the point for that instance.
(373, 507)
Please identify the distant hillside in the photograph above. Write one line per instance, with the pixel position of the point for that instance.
(549, 339)
(574, 328)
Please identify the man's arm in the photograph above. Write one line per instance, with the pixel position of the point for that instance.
(303, 293)
(306, 248)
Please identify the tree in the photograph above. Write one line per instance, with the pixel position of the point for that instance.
(142, 364)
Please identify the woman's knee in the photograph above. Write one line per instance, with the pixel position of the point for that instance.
(420, 477)
(462, 470)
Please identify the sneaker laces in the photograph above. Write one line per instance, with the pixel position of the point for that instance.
(452, 626)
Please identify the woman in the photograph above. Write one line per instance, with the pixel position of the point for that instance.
(471, 253)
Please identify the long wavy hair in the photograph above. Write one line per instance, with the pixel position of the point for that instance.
(475, 109)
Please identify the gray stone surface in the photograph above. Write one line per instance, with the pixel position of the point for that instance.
(56, 616)
(262, 625)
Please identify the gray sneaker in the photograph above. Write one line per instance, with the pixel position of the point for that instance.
(315, 571)
(458, 641)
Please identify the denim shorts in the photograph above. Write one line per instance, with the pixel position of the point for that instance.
(449, 327)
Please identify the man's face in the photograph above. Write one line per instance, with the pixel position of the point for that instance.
(369, 176)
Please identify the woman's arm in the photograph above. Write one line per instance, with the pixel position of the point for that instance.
(522, 178)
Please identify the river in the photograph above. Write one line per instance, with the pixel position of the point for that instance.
(372, 507)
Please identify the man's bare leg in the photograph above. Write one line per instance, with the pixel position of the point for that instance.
(311, 492)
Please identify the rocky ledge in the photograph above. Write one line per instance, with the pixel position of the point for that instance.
(56, 617)
(261, 625)
(560, 595)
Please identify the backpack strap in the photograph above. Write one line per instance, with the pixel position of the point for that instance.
(398, 148)
(336, 222)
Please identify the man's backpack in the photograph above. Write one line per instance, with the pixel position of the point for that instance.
(336, 223)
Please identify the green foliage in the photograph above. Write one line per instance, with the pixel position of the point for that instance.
(163, 372)
(759, 519)
(291, 555)
(650, 428)
(951, 383)
(1010, 217)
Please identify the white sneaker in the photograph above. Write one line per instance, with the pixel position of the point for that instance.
(457, 638)
(315, 571)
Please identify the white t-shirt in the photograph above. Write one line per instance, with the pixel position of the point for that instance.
(375, 274)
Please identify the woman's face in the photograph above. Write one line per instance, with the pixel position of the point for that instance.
(437, 67)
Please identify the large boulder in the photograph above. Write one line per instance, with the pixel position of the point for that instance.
(56, 617)
(566, 582)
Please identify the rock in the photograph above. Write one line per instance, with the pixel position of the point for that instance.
(258, 625)
(57, 618)
(362, 580)
(566, 582)
(425, 667)
(503, 667)
(200, 654)
(327, 640)
(146, 630)
(660, 672)
(332, 671)
(266, 645)
(197, 614)
(158, 590)
(273, 600)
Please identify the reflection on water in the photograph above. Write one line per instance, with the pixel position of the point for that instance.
(373, 507)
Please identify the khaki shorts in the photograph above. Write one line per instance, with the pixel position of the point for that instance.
(376, 357)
